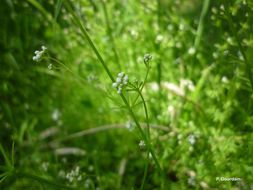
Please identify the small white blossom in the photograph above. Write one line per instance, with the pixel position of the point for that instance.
(181, 27)
(74, 175)
(43, 48)
(119, 91)
(115, 85)
(224, 79)
(142, 144)
(159, 38)
(50, 66)
(45, 166)
(56, 114)
(192, 51)
(147, 57)
(192, 139)
(191, 181)
(121, 74)
(130, 125)
(118, 80)
(121, 82)
(39, 54)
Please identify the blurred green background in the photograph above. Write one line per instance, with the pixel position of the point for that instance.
(67, 125)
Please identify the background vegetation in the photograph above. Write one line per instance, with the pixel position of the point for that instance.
(64, 126)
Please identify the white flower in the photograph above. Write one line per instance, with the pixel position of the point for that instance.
(142, 144)
(56, 114)
(159, 38)
(224, 79)
(118, 80)
(147, 57)
(115, 85)
(39, 54)
(125, 79)
(121, 82)
(130, 125)
(191, 181)
(121, 74)
(50, 66)
(43, 48)
(192, 51)
(192, 139)
(119, 91)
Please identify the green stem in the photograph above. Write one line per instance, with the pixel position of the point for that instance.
(145, 173)
(142, 86)
(109, 31)
(201, 23)
(148, 136)
(146, 114)
(87, 37)
(147, 142)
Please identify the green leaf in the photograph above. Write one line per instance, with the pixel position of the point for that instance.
(57, 9)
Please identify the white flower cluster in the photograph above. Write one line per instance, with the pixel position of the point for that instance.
(185, 83)
(147, 57)
(121, 81)
(142, 144)
(192, 139)
(45, 166)
(74, 175)
(39, 54)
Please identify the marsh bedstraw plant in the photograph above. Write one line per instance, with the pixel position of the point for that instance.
(122, 86)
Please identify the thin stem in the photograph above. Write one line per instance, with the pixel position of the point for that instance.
(109, 31)
(145, 173)
(87, 37)
(201, 23)
(148, 137)
(147, 142)
(142, 86)
(146, 113)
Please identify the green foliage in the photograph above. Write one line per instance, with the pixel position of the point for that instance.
(181, 119)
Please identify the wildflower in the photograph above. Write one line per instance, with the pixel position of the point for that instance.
(147, 57)
(224, 79)
(90, 168)
(39, 54)
(142, 144)
(74, 175)
(130, 125)
(45, 166)
(222, 7)
(185, 83)
(191, 181)
(121, 82)
(181, 27)
(170, 27)
(159, 38)
(192, 139)
(134, 33)
(192, 51)
(50, 66)
(56, 114)
(192, 178)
